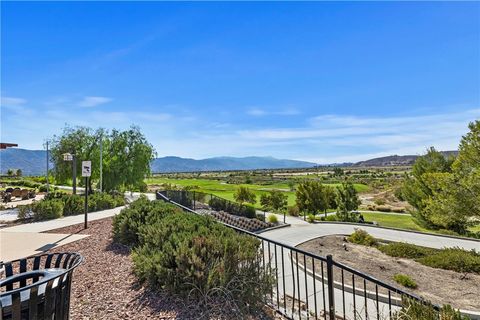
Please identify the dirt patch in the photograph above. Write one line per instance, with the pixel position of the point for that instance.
(436, 285)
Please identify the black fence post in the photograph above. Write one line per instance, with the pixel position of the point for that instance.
(331, 296)
(194, 207)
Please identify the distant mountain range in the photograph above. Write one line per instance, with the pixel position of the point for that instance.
(177, 164)
(32, 162)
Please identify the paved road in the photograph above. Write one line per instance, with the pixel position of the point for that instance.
(301, 231)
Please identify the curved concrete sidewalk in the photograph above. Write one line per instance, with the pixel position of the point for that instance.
(301, 231)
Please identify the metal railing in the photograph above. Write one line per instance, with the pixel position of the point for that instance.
(308, 286)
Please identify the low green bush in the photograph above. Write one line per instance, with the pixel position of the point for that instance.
(311, 218)
(73, 204)
(196, 256)
(405, 280)
(362, 237)
(127, 223)
(331, 217)
(47, 209)
(293, 211)
(416, 310)
(405, 250)
(25, 212)
(260, 216)
(272, 219)
(243, 210)
(455, 259)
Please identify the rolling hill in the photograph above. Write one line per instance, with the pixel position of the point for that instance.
(396, 160)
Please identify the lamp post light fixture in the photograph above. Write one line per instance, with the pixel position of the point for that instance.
(71, 157)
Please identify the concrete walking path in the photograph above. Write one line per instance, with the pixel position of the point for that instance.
(301, 285)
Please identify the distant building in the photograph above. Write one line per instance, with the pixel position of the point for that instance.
(7, 145)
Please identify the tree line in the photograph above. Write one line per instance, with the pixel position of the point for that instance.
(312, 197)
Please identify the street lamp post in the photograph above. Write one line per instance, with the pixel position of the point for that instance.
(72, 157)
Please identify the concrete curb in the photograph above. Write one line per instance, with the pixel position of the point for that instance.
(398, 229)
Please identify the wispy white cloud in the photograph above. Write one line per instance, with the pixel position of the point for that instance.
(258, 112)
(91, 101)
(11, 101)
(333, 138)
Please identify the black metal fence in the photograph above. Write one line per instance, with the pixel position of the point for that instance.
(308, 286)
(198, 200)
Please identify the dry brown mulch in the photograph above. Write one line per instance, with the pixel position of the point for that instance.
(104, 286)
(437, 285)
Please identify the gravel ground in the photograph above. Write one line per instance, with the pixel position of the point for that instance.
(105, 288)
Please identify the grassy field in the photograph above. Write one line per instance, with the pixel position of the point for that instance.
(404, 221)
(226, 191)
(393, 220)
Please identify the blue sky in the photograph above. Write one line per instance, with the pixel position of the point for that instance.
(318, 81)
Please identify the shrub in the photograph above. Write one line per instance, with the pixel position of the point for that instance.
(197, 256)
(42, 188)
(331, 217)
(272, 219)
(311, 218)
(294, 211)
(48, 209)
(455, 259)
(102, 201)
(56, 194)
(405, 250)
(260, 216)
(219, 204)
(362, 237)
(416, 310)
(379, 201)
(24, 212)
(405, 280)
(127, 223)
(73, 204)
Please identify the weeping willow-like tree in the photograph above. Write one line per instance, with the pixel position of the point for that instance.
(126, 156)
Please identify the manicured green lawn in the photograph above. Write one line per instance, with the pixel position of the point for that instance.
(226, 191)
(393, 220)
(404, 221)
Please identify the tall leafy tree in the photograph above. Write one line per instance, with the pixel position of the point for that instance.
(126, 156)
(83, 143)
(311, 197)
(416, 189)
(446, 193)
(127, 161)
(275, 200)
(244, 195)
(347, 201)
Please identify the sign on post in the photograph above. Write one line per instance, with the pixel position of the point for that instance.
(86, 172)
(86, 168)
